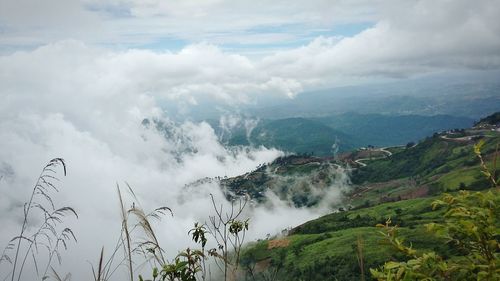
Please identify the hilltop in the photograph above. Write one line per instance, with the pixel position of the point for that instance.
(489, 122)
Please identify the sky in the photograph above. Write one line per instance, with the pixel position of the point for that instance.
(170, 25)
(234, 50)
(78, 77)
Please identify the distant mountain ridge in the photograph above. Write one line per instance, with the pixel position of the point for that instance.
(301, 135)
(339, 133)
(387, 130)
(472, 100)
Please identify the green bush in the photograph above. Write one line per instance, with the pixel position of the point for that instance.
(471, 227)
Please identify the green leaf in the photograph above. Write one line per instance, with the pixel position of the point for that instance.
(391, 265)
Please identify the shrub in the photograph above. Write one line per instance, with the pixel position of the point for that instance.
(470, 226)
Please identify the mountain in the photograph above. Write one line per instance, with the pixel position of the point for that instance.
(419, 97)
(493, 119)
(336, 133)
(301, 135)
(400, 185)
(295, 135)
(436, 164)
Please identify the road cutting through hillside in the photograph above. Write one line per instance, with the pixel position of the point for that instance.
(383, 149)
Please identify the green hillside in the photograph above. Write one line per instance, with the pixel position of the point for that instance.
(432, 156)
(301, 135)
(402, 187)
(325, 249)
(436, 164)
(347, 131)
(492, 119)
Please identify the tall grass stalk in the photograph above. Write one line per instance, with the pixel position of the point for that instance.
(128, 249)
(137, 237)
(46, 235)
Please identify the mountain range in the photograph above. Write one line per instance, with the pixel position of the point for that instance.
(328, 135)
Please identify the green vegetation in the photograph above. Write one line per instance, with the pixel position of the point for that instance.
(346, 244)
(435, 165)
(471, 226)
(431, 157)
(300, 135)
(492, 119)
(325, 248)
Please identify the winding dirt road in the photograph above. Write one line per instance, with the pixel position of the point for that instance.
(383, 149)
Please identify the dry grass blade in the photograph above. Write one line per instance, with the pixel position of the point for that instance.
(58, 277)
(26, 245)
(99, 275)
(101, 258)
(126, 232)
(160, 211)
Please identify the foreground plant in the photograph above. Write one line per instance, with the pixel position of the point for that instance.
(50, 234)
(185, 267)
(137, 239)
(471, 226)
(227, 231)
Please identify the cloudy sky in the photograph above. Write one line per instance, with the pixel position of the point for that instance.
(260, 46)
(233, 50)
(78, 77)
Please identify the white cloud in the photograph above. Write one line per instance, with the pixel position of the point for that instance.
(416, 38)
(407, 38)
(29, 22)
(86, 105)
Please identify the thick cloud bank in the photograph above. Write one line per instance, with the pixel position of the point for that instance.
(88, 105)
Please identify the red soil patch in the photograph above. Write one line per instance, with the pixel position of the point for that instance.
(278, 243)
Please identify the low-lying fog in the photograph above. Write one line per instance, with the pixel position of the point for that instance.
(96, 124)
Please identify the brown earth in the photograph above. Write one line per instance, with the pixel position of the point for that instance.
(278, 243)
